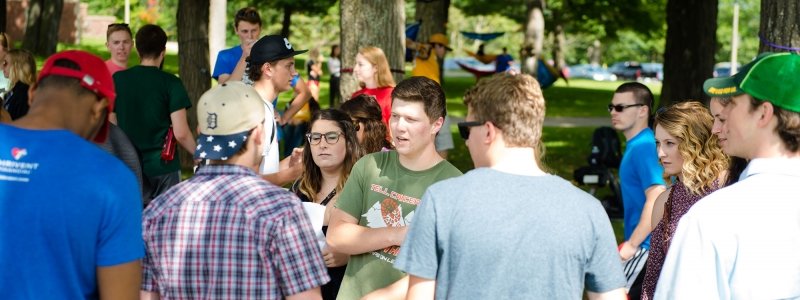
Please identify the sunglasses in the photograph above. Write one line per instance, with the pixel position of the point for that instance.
(463, 128)
(314, 138)
(620, 107)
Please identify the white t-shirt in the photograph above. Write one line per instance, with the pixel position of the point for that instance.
(740, 242)
(271, 161)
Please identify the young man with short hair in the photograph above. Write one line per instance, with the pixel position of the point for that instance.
(271, 70)
(231, 61)
(742, 241)
(70, 213)
(151, 102)
(640, 176)
(378, 201)
(563, 242)
(225, 233)
(119, 40)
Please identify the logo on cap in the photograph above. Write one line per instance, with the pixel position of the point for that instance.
(211, 121)
(288, 45)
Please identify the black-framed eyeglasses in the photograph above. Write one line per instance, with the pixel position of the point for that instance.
(331, 137)
(621, 107)
(117, 25)
(463, 128)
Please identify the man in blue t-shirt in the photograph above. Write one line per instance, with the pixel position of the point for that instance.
(503, 61)
(247, 24)
(70, 213)
(640, 175)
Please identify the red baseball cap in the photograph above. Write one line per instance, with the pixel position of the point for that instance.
(93, 75)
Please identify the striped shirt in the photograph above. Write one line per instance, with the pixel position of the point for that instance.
(228, 234)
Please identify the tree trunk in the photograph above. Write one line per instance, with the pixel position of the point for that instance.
(287, 21)
(41, 32)
(217, 28)
(433, 14)
(559, 43)
(780, 26)
(534, 37)
(3, 16)
(595, 52)
(378, 23)
(192, 18)
(689, 53)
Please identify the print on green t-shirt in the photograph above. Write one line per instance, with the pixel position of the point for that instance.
(382, 193)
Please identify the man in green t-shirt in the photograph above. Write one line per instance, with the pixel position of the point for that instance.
(149, 101)
(378, 201)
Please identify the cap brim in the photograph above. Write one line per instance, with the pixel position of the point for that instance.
(219, 147)
(284, 56)
(721, 87)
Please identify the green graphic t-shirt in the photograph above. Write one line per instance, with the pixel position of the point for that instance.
(382, 193)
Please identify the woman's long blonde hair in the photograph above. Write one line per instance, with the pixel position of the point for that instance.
(375, 56)
(22, 67)
(703, 160)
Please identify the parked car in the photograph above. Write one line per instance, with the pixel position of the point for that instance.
(722, 69)
(590, 71)
(628, 70)
(653, 71)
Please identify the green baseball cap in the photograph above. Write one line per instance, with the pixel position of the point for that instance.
(772, 77)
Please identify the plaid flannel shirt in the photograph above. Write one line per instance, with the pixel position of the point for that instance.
(228, 234)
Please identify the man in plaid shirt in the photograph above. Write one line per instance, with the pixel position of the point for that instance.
(226, 233)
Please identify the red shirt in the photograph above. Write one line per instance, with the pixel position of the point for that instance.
(384, 96)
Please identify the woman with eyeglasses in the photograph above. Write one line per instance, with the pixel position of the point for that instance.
(370, 129)
(375, 77)
(119, 40)
(328, 156)
(695, 165)
(20, 69)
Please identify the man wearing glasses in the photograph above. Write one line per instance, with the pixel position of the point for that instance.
(379, 200)
(247, 24)
(640, 176)
(508, 230)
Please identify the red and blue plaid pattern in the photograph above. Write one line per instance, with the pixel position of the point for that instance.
(227, 234)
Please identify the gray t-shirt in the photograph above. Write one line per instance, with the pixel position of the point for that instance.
(494, 235)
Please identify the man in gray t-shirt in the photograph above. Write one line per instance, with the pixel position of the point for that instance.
(507, 229)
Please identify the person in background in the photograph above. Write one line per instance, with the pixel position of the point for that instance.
(375, 78)
(231, 62)
(151, 103)
(370, 130)
(20, 68)
(426, 64)
(737, 164)
(119, 41)
(503, 61)
(640, 176)
(328, 157)
(5, 42)
(335, 69)
(690, 154)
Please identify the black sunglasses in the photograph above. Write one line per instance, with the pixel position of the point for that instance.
(463, 128)
(620, 107)
(246, 13)
(315, 138)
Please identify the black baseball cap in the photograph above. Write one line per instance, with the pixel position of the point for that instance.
(272, 48)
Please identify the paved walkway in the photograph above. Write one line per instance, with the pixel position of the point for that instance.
(567, 122)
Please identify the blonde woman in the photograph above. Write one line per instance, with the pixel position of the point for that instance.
(373, 73)
(691, 155)
(20, 69)
(5, 41)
